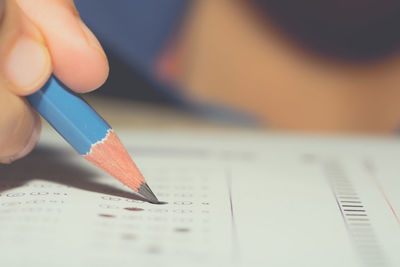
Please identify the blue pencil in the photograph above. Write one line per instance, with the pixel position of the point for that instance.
(87, 132)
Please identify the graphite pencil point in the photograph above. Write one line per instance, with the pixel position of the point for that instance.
(145, 191)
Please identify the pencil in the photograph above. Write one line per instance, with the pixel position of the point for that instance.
(89, 134)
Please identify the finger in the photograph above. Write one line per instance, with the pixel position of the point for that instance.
(26, 63)
(20, 127)
(25, 66)
(78, 58)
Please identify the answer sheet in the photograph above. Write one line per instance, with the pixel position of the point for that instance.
(249, 199)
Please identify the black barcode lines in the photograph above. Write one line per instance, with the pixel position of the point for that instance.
(355, 215)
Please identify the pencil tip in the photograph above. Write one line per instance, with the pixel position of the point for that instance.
(111, 156)
(146, 192)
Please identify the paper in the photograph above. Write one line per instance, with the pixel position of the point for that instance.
(232, 200)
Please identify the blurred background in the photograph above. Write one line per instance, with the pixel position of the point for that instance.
(326, 66)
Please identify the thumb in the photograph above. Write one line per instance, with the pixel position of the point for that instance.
(25, 66)
(26, 62)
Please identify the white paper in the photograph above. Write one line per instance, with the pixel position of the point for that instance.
(233, 200)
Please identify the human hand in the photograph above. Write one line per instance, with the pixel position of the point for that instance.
(37, 38)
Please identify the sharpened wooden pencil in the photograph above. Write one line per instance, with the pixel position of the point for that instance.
(88, 133)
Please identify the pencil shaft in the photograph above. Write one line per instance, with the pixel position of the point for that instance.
(79, 124)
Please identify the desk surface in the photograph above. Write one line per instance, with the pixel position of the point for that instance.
(121, 113)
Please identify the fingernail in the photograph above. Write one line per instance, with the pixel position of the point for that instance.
(91, 38)
(27, 64)
(37, 126)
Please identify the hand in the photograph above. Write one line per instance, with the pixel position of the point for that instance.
(37, 38)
